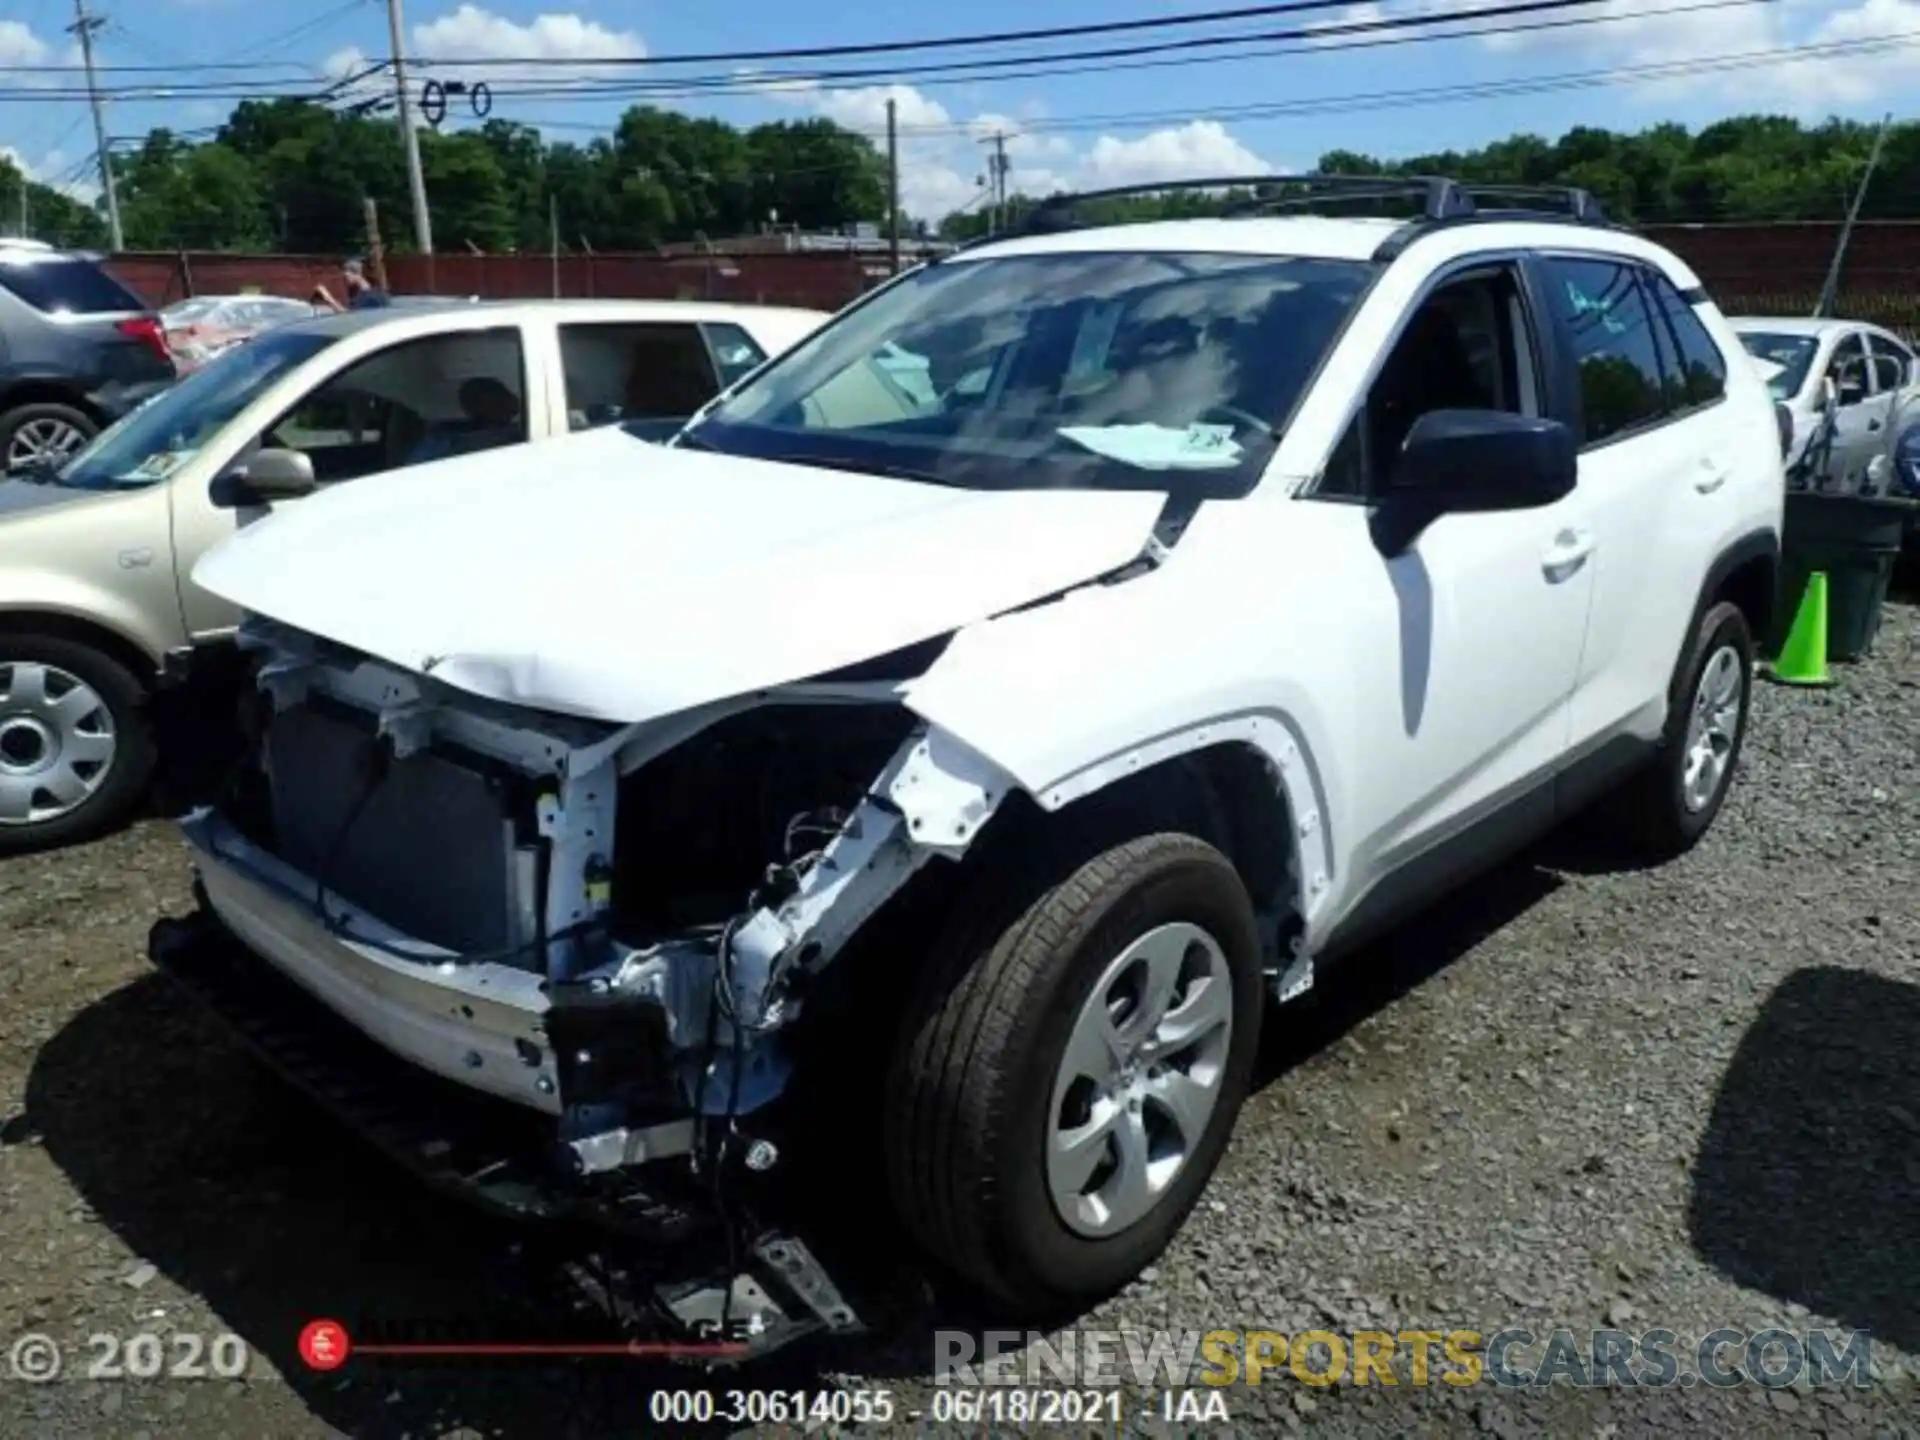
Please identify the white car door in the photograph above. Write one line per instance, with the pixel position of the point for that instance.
(1655, 487)
(1465, 715)
(1859, 418)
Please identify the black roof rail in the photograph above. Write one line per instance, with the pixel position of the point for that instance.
(1574, 207)
(1442, 202)
(1438, 197)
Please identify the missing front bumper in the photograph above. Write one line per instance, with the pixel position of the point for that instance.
(479, 1147)
(504, 1157)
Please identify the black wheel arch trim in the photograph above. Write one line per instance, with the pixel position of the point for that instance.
(1761, 544)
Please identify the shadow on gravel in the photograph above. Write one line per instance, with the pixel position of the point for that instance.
(245, 1194)
(1807, 1185)
(1371, 978)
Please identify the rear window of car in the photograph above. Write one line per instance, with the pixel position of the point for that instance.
(63, 284)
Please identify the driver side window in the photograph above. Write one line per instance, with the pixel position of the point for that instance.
(1464, 348)
(420, 400)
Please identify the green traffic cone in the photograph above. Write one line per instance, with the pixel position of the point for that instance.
(1803, 659)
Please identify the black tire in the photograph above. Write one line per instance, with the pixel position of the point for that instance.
(11, 421)
(1659, 822)
(126, 775)
(971, 1088)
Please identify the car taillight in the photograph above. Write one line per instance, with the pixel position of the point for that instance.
(146, 330)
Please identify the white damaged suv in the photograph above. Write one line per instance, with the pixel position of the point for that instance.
(947, 750)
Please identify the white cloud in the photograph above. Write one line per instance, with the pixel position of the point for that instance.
(1192, 151)
(20, 46)
(945, 159)
(474, 33)
(1650, 33)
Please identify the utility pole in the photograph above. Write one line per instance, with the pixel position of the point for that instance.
(1830, 291)
(84, 26)
(553, 238)
(996, 182)
(416, 179)
(893, 185)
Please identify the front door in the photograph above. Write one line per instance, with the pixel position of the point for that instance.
(1472, 636)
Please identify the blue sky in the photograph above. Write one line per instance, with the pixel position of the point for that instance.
(1107, 124)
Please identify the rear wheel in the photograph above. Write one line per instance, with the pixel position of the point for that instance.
(1674, 799)
(75, 753)
(1069, 1075)
(42, 433)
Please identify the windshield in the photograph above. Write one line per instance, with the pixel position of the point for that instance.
(1793, 354)
(150, 443)
(1138, 370)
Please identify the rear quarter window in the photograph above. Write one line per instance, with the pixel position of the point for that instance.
(64, 285)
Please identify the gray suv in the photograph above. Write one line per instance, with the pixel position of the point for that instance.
(77, 351)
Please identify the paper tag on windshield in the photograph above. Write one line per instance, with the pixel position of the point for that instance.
(1207, 439)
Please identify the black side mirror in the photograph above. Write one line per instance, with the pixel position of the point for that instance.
(1473, 461)
(265, 476)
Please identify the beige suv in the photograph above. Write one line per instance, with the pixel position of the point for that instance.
(96, 599)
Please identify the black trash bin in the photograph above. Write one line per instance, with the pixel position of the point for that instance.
(1855, 539)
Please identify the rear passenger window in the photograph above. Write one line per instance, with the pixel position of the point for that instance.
(620, 373)
(1703, 369)
(1621, 378)
(60, 284)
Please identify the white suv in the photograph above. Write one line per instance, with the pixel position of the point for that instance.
(939, 756)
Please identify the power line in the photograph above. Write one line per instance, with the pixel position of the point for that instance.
(1427, 95)
(952, 42)
(1263, 53)
(1010, 67)
(819, 52)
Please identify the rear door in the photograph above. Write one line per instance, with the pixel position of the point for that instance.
(647, 376)
(1860, 415)
(1648, 472)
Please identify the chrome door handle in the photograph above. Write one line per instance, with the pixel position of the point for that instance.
(1569, 550)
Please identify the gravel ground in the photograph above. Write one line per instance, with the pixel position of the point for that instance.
(1686, 1098)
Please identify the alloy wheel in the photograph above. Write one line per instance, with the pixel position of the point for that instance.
(1140, 1079)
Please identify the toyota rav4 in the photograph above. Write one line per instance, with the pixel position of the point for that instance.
(946, 750)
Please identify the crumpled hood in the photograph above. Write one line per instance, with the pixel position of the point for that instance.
(603, 577)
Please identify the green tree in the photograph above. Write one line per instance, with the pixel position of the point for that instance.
(50, 215)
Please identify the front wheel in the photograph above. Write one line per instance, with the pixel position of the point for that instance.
(75, 752)
(1068, 1077)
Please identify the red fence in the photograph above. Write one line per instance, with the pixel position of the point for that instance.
(823, 282)
(1747, 267)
